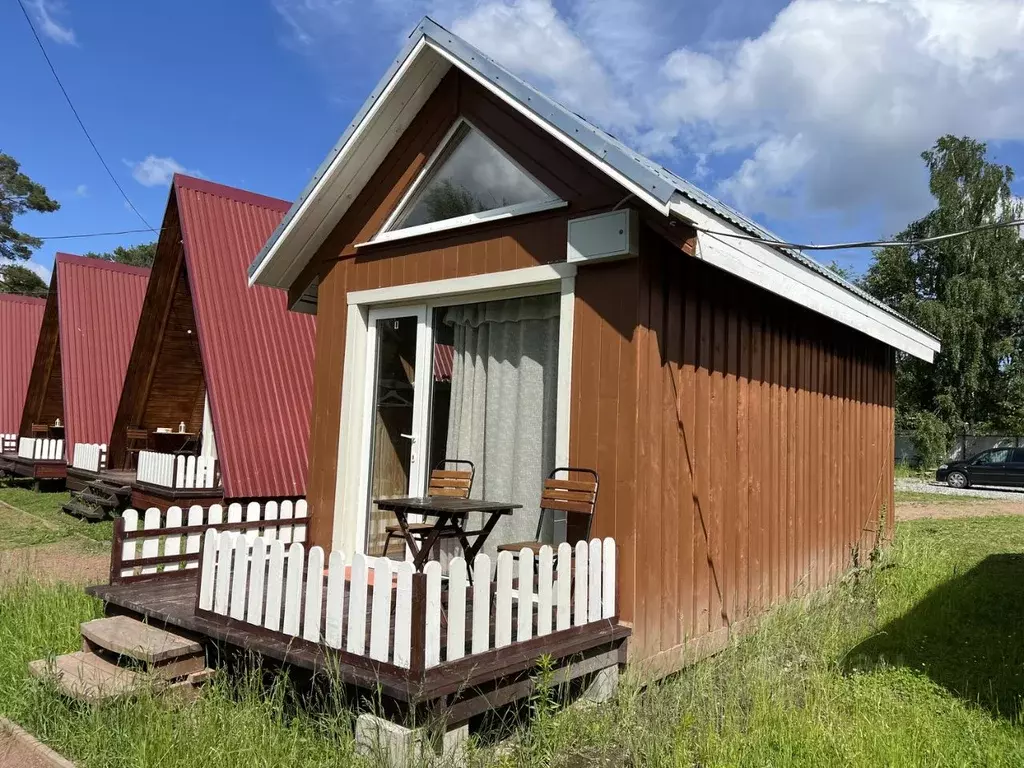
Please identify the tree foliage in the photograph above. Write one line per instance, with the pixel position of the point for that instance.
(968, 291)
(18, 195)
(141, 255)
(14, 278)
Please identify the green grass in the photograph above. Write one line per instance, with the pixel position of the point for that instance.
(50, 523)
(919, 662)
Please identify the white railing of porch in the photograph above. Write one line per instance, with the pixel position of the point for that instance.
(90, 456)
(41, 448)
(269, 584)
(179, 472)
(284, 520)
(8, 443)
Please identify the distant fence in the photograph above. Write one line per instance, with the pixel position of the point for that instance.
(90, 456)
(964, 447)
(41, 448)
(170, 471)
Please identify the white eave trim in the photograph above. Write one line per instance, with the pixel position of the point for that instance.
(775, 272)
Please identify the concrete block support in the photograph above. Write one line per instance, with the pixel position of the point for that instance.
(396, 746)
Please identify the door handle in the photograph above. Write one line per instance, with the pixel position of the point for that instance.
(408, 437)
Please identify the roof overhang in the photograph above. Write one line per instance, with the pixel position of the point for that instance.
(774, 271)
(431, 52)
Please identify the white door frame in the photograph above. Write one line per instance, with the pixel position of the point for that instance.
(420, 411)
(357, 390)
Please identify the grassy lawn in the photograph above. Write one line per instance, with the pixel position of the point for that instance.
(920, 662)
(43, 522)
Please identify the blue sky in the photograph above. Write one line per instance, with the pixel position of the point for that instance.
(808, 115)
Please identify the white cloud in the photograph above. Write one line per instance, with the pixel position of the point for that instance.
(157, 171)
(44, 12)
(823, 112)
(43, 271)
(81, 191)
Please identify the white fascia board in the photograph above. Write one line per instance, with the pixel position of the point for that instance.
(775, 272)
(352, 166)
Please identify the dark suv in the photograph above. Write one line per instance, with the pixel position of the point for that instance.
(998, 466)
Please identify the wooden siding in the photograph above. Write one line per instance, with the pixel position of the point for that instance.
(164, 384)
(44, 400)
(524, 242)
(745, 445)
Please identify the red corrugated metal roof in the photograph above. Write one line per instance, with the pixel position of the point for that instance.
(20, 320)
(257, 356)
(98, 308)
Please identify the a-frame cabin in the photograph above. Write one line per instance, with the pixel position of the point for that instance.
(216, 399)
(20, 320)
(88, 326)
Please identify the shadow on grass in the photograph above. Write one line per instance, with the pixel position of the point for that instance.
(966, 635)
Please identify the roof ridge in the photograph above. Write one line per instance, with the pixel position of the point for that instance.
(17, 298)
(235, 194)
(98, 263)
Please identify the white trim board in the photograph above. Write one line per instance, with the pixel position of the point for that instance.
(777, 273)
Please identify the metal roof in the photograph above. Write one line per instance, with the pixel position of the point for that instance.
(98, 308)
(20, 320)
(257, 356)
(657, 182)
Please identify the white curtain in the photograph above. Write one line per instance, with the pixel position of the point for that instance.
(502, 414)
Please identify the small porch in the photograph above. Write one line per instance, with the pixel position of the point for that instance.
(41, 459)
(447, 646)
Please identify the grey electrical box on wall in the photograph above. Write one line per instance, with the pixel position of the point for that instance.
(612, 235)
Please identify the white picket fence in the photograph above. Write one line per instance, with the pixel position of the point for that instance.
(169, 471)
(90, 456)
(8, 443)
(284, 521)
(41, 448)
(273, 585)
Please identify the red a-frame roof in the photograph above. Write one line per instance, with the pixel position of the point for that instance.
(257, 356)
(20, 318)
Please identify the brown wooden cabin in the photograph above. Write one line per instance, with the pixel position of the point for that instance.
(220, 376)
(88, 325)
(20, 319)
(735, 397)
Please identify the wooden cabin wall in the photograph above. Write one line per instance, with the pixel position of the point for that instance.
(164, 383)
(44, 399)
(526, 242)
(748, 443)
(177, 390)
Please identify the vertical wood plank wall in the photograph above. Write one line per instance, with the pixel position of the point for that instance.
(745, 445)
(44, 399)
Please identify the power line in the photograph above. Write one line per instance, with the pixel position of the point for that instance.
(863, 244)
(98, 234)
(81, 125)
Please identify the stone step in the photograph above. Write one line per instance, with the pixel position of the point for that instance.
(103, 499)
(78, 508)
(86, 676)
(162, 653)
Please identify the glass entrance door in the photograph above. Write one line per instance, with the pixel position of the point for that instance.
(396, 358)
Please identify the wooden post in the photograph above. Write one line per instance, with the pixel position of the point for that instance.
(417, 635)
(117, 551)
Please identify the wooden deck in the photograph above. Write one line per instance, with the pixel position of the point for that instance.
(78, 479)
(467, 686)
(39, 469)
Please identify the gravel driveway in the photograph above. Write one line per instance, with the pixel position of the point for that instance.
(931, 486)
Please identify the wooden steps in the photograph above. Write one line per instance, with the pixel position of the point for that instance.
(99, 500)
(121, 656)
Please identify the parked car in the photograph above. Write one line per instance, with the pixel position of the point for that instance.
(997, 466)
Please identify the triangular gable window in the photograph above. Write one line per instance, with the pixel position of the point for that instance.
(468, 180)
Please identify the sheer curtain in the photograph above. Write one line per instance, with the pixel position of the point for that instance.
(502, 413)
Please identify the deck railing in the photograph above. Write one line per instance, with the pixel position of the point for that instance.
(170, 542)
(90, 456)
(178, 472)
(8, 443)
(41, 448)
(380, 609)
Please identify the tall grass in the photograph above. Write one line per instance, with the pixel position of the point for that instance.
(919, 662)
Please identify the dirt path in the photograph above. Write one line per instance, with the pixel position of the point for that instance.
(72, 562)
(918, 510)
